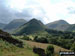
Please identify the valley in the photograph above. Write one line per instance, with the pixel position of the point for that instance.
(34, 34)
(37, 27)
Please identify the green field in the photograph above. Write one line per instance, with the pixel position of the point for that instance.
(41, 45)
(7, 49)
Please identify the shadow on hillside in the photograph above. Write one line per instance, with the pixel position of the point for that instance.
(11, 40)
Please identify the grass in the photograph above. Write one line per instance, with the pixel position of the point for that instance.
(44, 46)
(41, 45)
(7, 49)
(19, 52)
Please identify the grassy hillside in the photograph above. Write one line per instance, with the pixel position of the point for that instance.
(14, 25)
(7, 49)
(61, 25)
(10, 46)
(58, 25)
(44, 46)
(36, 31)
(33, 26)
(41, 45)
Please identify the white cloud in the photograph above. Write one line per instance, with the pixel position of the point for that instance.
(47, 10)
(58, 10)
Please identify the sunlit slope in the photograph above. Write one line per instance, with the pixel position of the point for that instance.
(8, 48)
(44, 46)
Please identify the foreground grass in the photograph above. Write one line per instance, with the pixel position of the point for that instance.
(19, 52)
(7, 49)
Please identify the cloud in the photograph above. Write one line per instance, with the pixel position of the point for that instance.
(56, 10)
(44, 10)
(7, 14)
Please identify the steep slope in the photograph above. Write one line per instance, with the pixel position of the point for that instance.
(14, 25)
(2, 25)
(8, 46)
(2, 33)
(8, 38)
(33, 26)
(58, 25)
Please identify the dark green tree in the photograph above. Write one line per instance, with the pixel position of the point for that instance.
(50, 50)
(73, 47)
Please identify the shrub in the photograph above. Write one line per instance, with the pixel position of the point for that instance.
(41, 39)
(73, 47)
(26, 38)
(50, 50)
(39, 51)
(12, 40)
(35, 38)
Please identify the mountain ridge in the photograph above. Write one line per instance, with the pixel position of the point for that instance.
(2, 25)
(14, 25)
(60, 25)
(30, 27)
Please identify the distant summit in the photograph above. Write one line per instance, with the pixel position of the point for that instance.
(58, 25)
(14, 24)
(18, 20)
(2, 25)
(58, 22)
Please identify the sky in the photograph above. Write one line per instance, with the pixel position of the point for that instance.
(45, 10)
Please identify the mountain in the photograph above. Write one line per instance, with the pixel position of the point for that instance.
(2, 25)
(14, 25)
(71, 28)
(60, 25)
(33, 26)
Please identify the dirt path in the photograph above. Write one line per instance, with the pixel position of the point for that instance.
(44, 46)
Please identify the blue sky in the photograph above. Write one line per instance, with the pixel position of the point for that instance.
(44, 10)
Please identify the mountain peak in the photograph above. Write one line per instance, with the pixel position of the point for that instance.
(62, 21)
(58, 25)
(31, 27)
(14, 24)
(58, 22)
(33, 20)
(18, 20)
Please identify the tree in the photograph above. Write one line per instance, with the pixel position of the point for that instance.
(25, 37)
(50, 50)
(48, 53)
(40, 39)
(39, 51)
(35, 39)
(73, 47)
